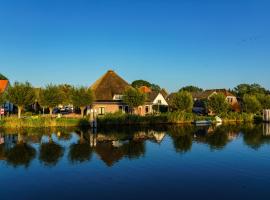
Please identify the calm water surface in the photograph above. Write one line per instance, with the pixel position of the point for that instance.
(175, 162)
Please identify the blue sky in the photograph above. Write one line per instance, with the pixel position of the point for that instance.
(208, 43)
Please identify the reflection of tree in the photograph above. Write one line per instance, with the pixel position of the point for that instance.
(218, 139)
(20, 154)
(50, 153)
(81, 151)
(182, 137)
(134, 149)
(110, 154)
(253, 136)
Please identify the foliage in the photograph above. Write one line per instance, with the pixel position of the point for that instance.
(217, 104)
(2, 99)
(81, 97)
(36, 121)
(251, 89)
(133, 98)
(140, 83)
(182, 101)
(2, 77)
(50, 97)
(21, 94)
(191, 88)
(264, 100)
(65, 92)
(251, 104)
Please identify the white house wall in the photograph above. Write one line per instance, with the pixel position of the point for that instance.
(161, 98)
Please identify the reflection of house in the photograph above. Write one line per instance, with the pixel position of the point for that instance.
(108, 91)
(3, 86)
(155, 102)
(266, 129)
(200, 97)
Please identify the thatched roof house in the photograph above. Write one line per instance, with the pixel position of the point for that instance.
(108, 91)
(109, 86)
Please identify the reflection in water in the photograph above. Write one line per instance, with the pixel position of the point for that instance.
(112, 145)
(80, 151)
(50, 152)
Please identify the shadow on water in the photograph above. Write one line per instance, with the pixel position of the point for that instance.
(111, 144)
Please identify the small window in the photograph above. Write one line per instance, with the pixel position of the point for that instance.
(159, 101)
(101, 110)
(146, 109)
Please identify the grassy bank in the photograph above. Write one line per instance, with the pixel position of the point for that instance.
(169, 118)
(14, 122)
(121, 119)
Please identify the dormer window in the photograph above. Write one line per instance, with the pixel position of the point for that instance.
(117, 97)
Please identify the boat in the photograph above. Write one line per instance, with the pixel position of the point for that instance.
(202, 122)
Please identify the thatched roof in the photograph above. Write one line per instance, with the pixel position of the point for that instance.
(108, 85)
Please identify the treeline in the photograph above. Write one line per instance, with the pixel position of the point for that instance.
(51, 96)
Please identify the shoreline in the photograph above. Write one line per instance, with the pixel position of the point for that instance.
(114, 120)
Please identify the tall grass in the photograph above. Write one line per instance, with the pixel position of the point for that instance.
(42, 122)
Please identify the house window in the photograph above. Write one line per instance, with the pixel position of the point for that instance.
(126, 109)
(120, 108)
(159, 102)
(117, 97)
(101, 110)
(146, 109)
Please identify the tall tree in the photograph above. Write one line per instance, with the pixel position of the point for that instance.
(82, 97)
(21, 95)
(217, 103)
(182, 101)
(50, 97)
(65, 91)
(264, 100)
(140, 83)
(251, 89)
(251, 104)
(191, 88)
(133, 98)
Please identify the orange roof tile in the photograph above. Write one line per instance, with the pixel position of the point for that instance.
(3, 85)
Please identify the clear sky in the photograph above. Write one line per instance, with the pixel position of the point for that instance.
(208, 43)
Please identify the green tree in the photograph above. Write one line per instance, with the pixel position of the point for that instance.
(65, 91)
(217, 103)
(2, 77)
(133, 98)
(182, 101)
(2, 99)
(191, 88)
(82, 97)
(264, 100)
(251, 104)
(50, 97)
(21, 95)
(251, 89)
(140, 83)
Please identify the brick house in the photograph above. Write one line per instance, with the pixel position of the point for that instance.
(199, 97)
(108, 91)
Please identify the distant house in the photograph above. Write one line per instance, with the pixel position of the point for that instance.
(155, 102)
(108, 91)
(3, 86)
(199, 97)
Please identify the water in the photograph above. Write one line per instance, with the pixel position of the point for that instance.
(170, 162)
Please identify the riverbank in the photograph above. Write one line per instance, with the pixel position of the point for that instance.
(120, 119)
